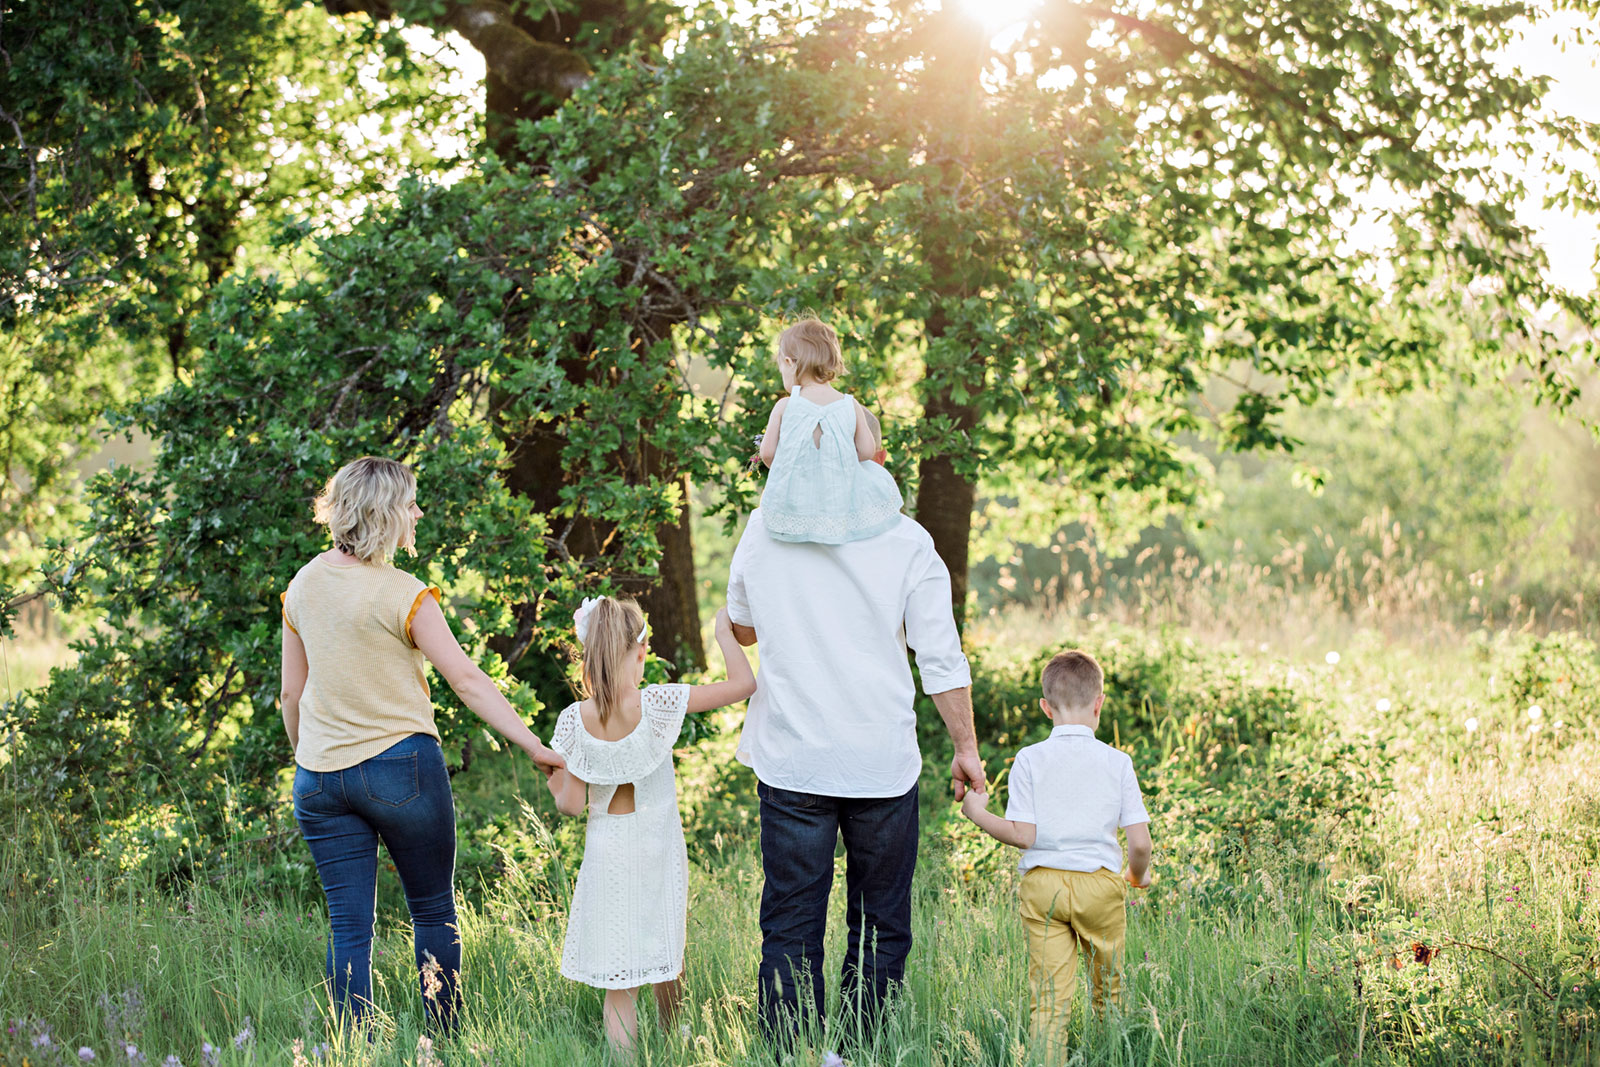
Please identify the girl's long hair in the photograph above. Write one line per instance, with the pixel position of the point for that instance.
(612, 643)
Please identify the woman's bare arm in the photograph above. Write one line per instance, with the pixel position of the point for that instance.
(477, 690)
(295, 669)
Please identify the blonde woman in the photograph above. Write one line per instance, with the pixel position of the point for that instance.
(356, 705)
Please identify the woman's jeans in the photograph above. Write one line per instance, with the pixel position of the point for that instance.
(402, 797)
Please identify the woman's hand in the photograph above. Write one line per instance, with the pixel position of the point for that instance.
(546, 758)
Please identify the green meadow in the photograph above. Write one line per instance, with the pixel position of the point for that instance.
(1377, 851)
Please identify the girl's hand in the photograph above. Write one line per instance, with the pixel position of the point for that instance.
(724, 625)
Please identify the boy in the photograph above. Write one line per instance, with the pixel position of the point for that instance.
(1069, 794)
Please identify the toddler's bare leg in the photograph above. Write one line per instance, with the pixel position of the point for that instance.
(622, 1018)
(669, 998)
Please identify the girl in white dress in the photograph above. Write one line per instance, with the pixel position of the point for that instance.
(824, 485)
(629, 909)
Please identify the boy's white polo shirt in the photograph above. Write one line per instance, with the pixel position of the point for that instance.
(1078, 791)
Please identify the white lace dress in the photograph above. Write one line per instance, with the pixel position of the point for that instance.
(630, 907)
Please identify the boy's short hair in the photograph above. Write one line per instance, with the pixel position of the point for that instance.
(1071, 680)
(814, 347)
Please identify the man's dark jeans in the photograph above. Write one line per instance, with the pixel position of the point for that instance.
(798, 834)
(402, 797)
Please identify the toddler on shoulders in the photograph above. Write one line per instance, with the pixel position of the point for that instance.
(825, 485)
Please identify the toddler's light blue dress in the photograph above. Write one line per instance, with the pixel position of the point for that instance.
(817, 490)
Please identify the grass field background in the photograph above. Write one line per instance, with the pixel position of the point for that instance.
(1372, 847)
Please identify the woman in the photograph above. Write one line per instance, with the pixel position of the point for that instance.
(368, 766)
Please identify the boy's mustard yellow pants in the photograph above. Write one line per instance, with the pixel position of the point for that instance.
(1063, 912)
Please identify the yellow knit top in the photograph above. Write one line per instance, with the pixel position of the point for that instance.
(366, 688)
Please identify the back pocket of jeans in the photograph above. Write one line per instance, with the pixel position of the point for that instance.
(391, 780)
(306, 783)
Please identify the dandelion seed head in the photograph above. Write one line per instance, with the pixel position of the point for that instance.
(1332, 658)
(1535, 711)
(1471, 724)
(1383, 704)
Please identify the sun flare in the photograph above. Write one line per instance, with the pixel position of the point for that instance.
(999, 15)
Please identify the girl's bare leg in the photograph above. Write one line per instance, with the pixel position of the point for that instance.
(669, 998)
(622, 1018)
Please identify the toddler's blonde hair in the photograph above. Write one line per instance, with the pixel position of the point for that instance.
(1072, 681)
(366, 507)
(611, 641)
(814, 347)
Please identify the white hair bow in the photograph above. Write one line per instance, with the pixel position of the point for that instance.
(580, 620)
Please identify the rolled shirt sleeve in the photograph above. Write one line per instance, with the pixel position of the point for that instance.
(1133, 812)
(738, 598)
(931, 628)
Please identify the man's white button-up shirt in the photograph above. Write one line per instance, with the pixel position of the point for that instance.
(832, 713)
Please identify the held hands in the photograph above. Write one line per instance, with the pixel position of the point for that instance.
(974, 802)
(966, 773)
(724, 625)
(547, 759)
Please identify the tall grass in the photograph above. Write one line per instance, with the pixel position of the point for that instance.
(1455, 923)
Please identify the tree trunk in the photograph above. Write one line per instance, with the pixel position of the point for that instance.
(945, 499)
(528, 72)
(672, 600)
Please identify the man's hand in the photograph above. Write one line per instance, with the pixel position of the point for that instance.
(966, 772)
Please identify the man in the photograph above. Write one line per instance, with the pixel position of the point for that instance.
(831, 736)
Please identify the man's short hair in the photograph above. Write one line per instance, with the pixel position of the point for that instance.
(1072, 681)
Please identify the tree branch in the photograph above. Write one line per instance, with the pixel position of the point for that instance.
(526, 65)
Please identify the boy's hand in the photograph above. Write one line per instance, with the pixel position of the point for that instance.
(974, 801)
(1127, 874)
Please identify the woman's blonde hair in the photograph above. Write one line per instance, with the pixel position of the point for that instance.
(366, 507)
(814, 347)
(612, 639)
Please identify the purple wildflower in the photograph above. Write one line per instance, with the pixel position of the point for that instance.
(86, 1054)
(209, 1054)
(245, 1036)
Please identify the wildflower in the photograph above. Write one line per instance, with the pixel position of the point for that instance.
(209, 1054)
(86, 1054)
(831, 1059)
(1383, 704)
(135, 1057)
(1534, 711)
(432, 984)
(297, 1053)
(319, 1051)
(1533, 728)
(1332, 658)
(172, 1061)
(244, 1037)
(1558, 724)
(1471, 724)
(426, 1057)
(42, 1038)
